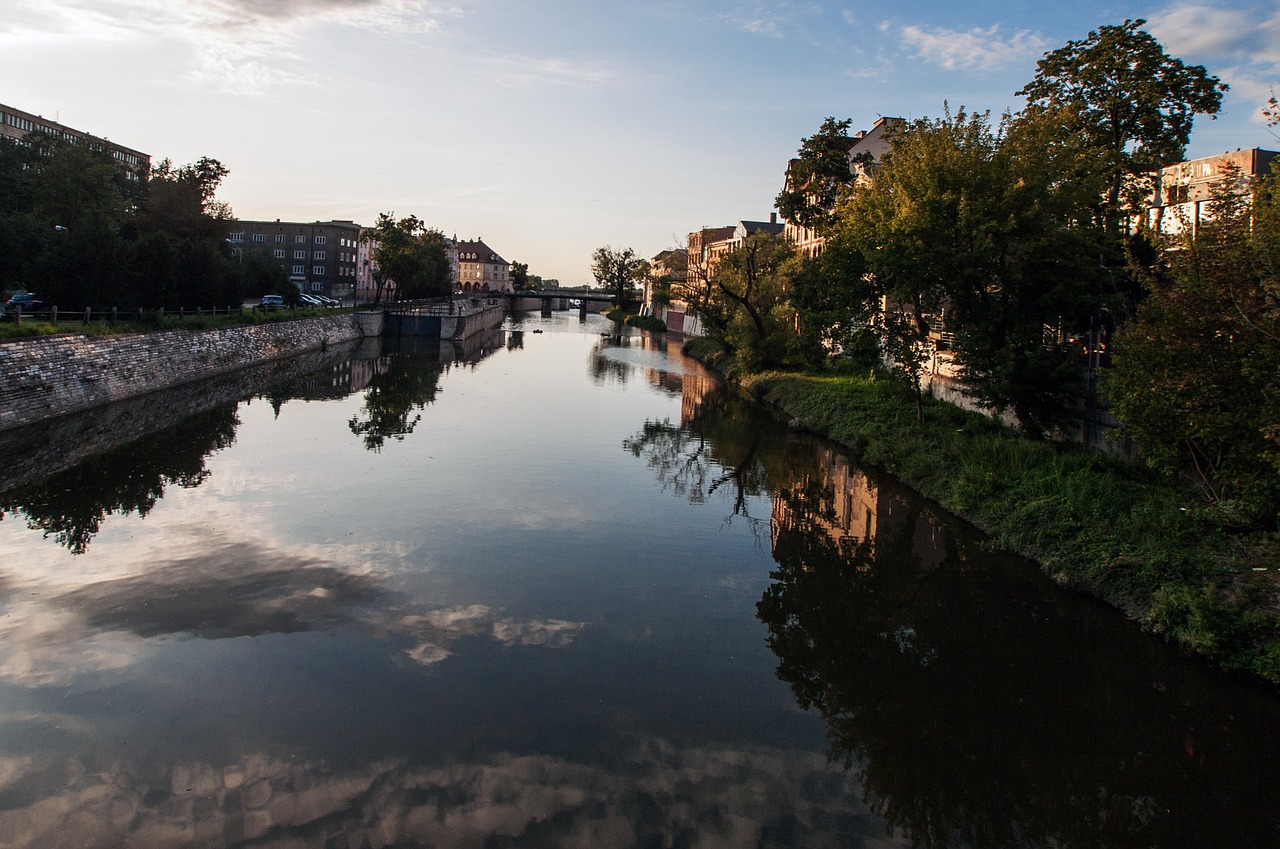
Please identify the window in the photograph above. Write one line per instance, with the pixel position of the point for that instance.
(300, 240)
(299, 269)
(319, 240)
(236, 237)
(318, 255)
(299, 254)
(317, 270)
(279, 253)
(259, 237)
(280, 238)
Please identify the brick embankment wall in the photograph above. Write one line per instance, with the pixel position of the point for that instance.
(30, 453)
(49, 376)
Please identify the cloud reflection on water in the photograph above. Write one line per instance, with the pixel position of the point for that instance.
(656, 793)
(56, 629)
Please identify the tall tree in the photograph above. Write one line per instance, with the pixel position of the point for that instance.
(411, 254)
(519, 276)
(183, 229)
(965, 229)
(1132, 103)
(618, 270)
(754, 280)
(817, 175)
(182, 200)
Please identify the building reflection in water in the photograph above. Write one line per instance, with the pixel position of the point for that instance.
(977, 703)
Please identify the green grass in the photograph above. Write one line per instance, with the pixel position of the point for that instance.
(1093, 522)
(150, 322)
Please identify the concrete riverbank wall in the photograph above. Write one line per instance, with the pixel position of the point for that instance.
(49, 376)
(458, 326)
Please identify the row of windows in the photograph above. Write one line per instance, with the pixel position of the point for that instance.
(75, 138)
(22, 123)
(318, 271)
(280, 238)
(280, 253)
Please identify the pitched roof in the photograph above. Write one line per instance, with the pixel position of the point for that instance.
(478, 251)
(762, 227)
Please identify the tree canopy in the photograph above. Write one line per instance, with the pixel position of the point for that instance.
(753, 283)
(816, 176)
(411, 255)
(1196, 382)
(1130, 102)
(617, 269)
(82, 231)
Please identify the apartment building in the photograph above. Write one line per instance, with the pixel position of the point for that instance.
(16, 125)
(481, 269)
(320, 257)
(1183, 192)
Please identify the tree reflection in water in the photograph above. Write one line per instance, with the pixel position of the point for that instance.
(399, 388)
(71, 506)
(716, 447)
(979, 704)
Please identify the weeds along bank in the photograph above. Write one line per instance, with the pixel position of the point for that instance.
(1093, 522)
(42, 377)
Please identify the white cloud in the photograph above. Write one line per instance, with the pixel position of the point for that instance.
(1192, 30)
(977, 49)
(1239, 46)
(245, 46)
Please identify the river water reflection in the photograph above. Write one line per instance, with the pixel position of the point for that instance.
(559, 589)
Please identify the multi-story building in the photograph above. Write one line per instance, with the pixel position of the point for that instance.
(480, 269)
(705, 249)
(1184, 191)
(16, 125)
(319, 257)
(866, 149)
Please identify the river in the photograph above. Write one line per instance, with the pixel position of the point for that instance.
(560, 589)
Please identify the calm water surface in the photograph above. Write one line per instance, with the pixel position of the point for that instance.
(558, 589)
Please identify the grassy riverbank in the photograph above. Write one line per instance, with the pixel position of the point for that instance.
(1094, 523)
(151, 322)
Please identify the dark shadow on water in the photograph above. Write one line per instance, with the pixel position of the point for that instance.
(978, 704)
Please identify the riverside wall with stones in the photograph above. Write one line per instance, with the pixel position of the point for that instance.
(45, 377)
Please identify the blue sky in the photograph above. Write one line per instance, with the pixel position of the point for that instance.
(551, 127)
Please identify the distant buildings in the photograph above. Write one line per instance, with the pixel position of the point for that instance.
(480, 269)
(1184, 191)
(320, 257)
(16, 125)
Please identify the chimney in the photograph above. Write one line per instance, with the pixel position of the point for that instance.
(773, 218)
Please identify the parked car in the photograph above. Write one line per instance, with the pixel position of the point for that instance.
(271, 302)
(311, 300)
(326, 300)
(24, 300)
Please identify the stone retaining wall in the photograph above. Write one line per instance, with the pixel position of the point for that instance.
(49, 376)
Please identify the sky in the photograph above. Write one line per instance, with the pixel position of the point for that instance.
(549, 128)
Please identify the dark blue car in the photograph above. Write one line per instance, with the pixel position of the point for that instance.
(25, 301)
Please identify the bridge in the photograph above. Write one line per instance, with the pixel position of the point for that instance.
(546, 302)
(463, 316)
